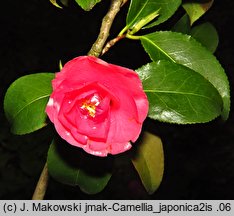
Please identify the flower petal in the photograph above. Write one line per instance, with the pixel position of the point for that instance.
(117, 148)
(124, 124)
(97, 106)
(97, 148)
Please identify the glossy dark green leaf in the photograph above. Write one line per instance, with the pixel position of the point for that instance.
(72, 166)
(178, 94)
(139, 9)
(185, 50)
(25, 102)
(148, 160)
(183, 25)
(87, 4)
(207, 35)
(196, 9)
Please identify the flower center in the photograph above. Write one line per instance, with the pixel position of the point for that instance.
(90, 105)
(91, 108)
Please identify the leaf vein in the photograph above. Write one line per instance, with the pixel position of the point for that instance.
(174, 92)
(28, 104)
(159, 48)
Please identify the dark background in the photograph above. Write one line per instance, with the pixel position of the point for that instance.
(199, 159)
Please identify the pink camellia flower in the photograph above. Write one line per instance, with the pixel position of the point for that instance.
(97, 106)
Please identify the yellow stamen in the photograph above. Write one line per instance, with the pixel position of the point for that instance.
(90, 107)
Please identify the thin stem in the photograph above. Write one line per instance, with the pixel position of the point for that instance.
(42, 184)
(123, 31)
(133, 37)
(111, 43)
(107, 21)
(123, 2)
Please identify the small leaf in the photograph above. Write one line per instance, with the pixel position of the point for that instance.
(149, 161)
(70, 165)
(87, 4)
(139, 9)
(64, 2)
(196, 9)
(185, 50)
(178, 94)
(207, 35)
(144, 22)
(183, 25)
(60, 65)
(25, 102)
(54, 2)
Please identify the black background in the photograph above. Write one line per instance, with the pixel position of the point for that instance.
(199, 159)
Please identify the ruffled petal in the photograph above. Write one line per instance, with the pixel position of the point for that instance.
(102, 149)
(124, 124)
(142, 105)
(68, 135)
(117, 148)
(97, 148)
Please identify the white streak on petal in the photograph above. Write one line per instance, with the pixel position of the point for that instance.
(57, 106)
(50, 102)
(67, 133)
(99, 61)
(128, 146)
(95, 99)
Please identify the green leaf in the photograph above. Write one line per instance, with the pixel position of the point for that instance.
(87, 4)
(60, 65)
(185, 50)
(139, 9)
(196, 9)
(25, 102)
(54, 2)
(138, 26)
(183, 25)
(70, 165)
(207, 35)
(149, 161)
(178, 94)
(64, 2)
